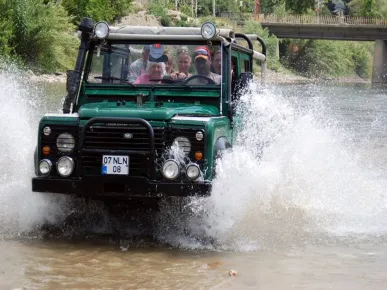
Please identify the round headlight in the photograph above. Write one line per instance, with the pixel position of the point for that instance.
(199, 135)
(45, 166)
(193, 171)
(101, 30)
(170, 169)
(65, 166)
(47, 131)
(208, 30)
(65, 142)
(183, 143)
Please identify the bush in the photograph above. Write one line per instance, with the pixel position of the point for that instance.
(98, 10)
(41, 34)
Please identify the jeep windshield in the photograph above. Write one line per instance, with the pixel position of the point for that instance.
(156, 64)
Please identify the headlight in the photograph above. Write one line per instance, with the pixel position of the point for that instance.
(199, 135)
(101, 30)
(65, 142)
(45, 166)
(193, 171)
(65, 166)
(170, 169)
(47, 131)
(208, 30)
(183, 143)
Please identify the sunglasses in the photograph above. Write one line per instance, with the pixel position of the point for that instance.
(201, 52)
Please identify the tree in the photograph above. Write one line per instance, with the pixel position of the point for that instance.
(268, 6)
(299, 6)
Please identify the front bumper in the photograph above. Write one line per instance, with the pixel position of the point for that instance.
(117, 187)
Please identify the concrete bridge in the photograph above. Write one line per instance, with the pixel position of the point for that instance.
(332, 28)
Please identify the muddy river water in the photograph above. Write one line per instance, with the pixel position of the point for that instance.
(300, 203)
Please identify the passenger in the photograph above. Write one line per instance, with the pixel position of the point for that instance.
(169, 63)
(202, 59)
(217, 62)
(139, 66)
(154, 73)
(184, 64)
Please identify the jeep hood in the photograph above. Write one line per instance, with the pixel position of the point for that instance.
(148, 111)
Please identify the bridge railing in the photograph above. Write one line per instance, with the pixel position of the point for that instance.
(306, 19)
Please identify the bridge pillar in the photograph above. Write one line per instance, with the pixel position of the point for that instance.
(379, 71)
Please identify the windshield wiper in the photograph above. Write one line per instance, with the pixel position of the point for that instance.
(115, 79)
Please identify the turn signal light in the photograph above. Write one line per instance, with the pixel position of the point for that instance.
(198, 155)
(46, 150)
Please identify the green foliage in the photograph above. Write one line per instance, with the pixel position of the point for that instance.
(268, 6)
(39, 34)
(253, 27)
(370, 8)
(97, 9)
(320, 58)
(299, 6)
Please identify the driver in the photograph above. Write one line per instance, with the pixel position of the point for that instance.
(202, 60)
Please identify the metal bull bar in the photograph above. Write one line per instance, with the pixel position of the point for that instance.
(143, 122)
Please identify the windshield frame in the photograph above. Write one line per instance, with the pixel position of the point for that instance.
(91, 54)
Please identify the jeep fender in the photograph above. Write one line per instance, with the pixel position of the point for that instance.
(36, 161)
(221, 145)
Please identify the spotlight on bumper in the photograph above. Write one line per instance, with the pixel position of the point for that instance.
(65, 166)
(45, 167)
(193, 171)
(170, 169)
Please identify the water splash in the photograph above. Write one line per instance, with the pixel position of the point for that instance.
(20, 209)
(293, 175)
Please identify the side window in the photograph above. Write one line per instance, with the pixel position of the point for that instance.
(245, 65)
(234, 66)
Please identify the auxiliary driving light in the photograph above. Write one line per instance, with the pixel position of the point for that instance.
(101, 30)
(65, 166)
(170, 169)
(193, 171)
(45, 166)
(208, 30)
(199, 135)
(47, 131)
(65, 142)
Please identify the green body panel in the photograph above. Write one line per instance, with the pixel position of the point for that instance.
(147, 111)
(215, 129)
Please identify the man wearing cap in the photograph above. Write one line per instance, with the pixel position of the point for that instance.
(139, 66)
(202, 59)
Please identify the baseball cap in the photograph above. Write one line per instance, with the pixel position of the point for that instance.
(202, 52)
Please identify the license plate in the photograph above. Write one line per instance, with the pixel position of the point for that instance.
(113, 164)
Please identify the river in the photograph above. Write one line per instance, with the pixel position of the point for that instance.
(300, 203)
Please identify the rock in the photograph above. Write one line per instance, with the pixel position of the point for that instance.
(232, 273)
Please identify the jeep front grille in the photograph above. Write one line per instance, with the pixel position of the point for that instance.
(133, 137)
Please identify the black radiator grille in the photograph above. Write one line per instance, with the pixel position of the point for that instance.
(102, 137)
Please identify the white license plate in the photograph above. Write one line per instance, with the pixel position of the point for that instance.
(113, 164)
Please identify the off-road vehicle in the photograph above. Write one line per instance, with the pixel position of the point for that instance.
(122, 139)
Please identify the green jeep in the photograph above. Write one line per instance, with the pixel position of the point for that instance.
(134, 129)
